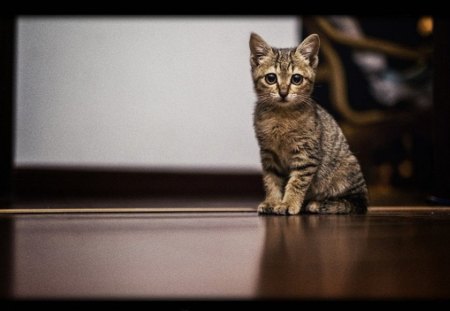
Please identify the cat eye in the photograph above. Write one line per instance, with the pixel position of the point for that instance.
(296, 79)
(271, 78)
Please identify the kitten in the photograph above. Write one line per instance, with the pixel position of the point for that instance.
(307, 164)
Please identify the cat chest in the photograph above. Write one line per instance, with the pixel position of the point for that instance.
(280, 137)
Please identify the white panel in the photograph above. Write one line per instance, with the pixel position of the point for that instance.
(140, 92)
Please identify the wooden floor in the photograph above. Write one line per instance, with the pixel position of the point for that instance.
(390, 253)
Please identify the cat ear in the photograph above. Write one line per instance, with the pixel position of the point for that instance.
(309, 49)
(259, 49)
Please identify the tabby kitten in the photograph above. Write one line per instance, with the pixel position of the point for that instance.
(307, 164)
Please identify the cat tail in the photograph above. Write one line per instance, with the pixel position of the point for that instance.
(359, 203)
(349, 204)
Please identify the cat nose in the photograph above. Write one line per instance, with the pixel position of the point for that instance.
(283, 93)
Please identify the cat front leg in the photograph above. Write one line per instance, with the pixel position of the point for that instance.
(273, 186)
(296, 187)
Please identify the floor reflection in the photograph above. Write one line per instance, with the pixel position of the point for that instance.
(226, 255)
(155, 256)
(348, 257)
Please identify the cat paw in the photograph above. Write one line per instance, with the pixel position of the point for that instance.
(294, 210)
(281, 209)
(313, 207)
(286, 209)
(265, 208)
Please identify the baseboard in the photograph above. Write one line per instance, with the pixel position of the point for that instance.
(113, 183)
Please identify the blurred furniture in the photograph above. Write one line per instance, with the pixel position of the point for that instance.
(441, 116)
(382, 139)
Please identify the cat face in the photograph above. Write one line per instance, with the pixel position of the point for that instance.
(284, 76)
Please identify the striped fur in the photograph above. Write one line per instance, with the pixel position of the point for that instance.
(307, 164)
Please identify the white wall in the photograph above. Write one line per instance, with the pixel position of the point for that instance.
(142, 92)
